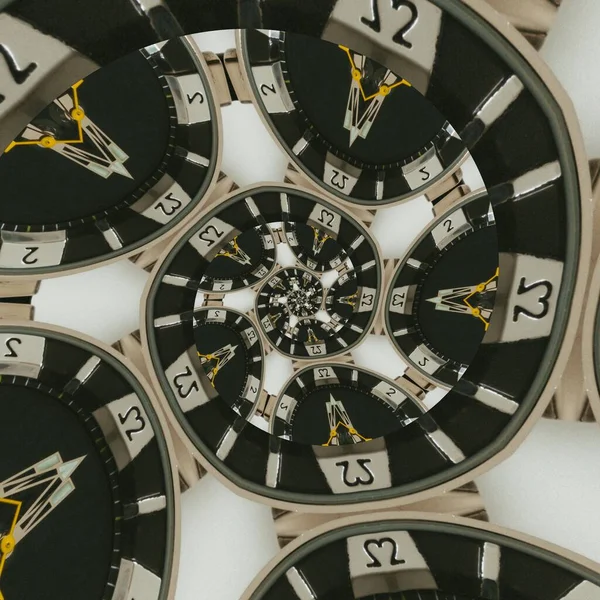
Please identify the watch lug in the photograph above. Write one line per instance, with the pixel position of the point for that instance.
(238, 81)
(219, 78)
(15, 299)
(130, 346)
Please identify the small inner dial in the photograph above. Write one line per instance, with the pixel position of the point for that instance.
(242, 260)
(314, 246)
(247, 243)
(442, 295)
(335, 405)
(287, 305)
(356, 127)
(231, 356)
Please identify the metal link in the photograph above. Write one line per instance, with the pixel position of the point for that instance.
(464, 502)
(15, 299)
(533, 18)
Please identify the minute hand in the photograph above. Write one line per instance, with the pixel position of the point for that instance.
(390, 81)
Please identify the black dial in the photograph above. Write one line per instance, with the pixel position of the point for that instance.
(58, 491)
(335, 405)
(360, 110)
(359, 129)
(230, 353)
(86, 489)
(397, 557)
(442, 296)
(92, 150)
(314, 246)
(112, 163)
(242, 261)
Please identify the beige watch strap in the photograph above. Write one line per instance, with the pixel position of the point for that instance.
(462, 502)
(570, 401)
(15, 299)
(533, 18)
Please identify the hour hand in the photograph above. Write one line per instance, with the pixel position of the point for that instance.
(352, 117)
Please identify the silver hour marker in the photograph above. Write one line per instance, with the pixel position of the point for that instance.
(300, 146)
(498, 103)
(536, 179)
(300, 585)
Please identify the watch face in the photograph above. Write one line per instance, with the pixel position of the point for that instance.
(111, 164)
(334, 405)
(442, 295)
(400, 559)
(361, 130)
(461, 322)
(86, 494)
(230, 352)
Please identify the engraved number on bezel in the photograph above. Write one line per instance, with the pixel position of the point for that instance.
(169, 209)
(19, 76)
(400, 35)
(137, 422)
(543, 300)
(207, 235)
(184, 389)
(363, 464)
(392, 559)
(10, 346)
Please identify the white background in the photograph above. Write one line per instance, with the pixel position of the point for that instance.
(550, 488)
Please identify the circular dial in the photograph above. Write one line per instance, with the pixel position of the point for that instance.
(401, 558)
(334, 405)
(112, 163)
(87, 483)
(287, 306)
(242, 261)
(358, 128)
(290, 303)
(92, 150)
(60, 505)
(442, 295)
(230, 353)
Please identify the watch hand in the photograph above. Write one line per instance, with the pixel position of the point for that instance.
(319, 240)
(338, 416)
(222, 356)
(7, 542)
(54, 476)
(389, 82)
(233, 251)
(460, 300)
(353, 108)
(70, 107)
(109, 159)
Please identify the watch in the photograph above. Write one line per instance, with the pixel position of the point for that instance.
(111, 166)
(310, 360)
(415, 556)
(88, 484)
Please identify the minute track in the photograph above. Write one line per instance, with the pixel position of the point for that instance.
(441, 297)
(94, 479)
(399, 143)
(487, 407)
(126, 189)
